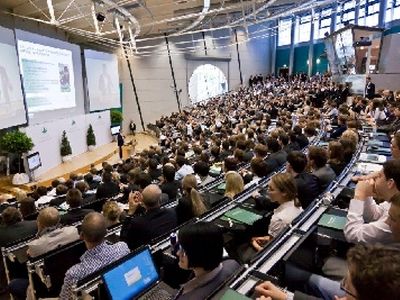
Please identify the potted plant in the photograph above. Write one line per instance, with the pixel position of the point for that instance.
(17, 142)
(116, 117)
(90, 138)
(65, 149)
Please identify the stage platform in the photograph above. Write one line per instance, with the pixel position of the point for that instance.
(81, 163)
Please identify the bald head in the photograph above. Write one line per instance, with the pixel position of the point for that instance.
(151, 196)
(3, 198)
(48, 217)
(94, 228)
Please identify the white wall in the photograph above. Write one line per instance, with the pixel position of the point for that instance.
(390, 54)
(153, 78)
(47, 136)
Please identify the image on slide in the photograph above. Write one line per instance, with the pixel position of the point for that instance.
(65, 81)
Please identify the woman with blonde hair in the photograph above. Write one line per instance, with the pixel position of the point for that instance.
(111, 213)
(234, 184)
(191, 204)
(282, 189)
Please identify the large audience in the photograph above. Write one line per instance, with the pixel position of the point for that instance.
(245, 135)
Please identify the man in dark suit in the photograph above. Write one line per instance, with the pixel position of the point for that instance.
(120, 142)
(76, 213)
(140, 230)
(13, 228)
(369, 89)
(107, 188)
(307, 184)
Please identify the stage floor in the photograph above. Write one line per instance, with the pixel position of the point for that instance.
(81, 163)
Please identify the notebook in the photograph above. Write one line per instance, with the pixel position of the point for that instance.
(135, 276)
(243, 215)
(332, 221)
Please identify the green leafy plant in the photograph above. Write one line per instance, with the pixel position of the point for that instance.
(16, 142)
(90, 137)
(65, 148)
(116, 117)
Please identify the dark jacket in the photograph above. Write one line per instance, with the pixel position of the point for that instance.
(338, 131)
(307, 188)
(107, 190)
(74, 215)
(16, 232)
(140, 230)
(370, 90)
(170, 188)
(201, 288)
(325, 176)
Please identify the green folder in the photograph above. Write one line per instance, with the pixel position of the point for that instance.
(242, 215)
(221, 187)
(233, 295)
(332, 221)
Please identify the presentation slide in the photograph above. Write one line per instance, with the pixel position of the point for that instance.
(47, 75)
(12, 107)
(102, 80)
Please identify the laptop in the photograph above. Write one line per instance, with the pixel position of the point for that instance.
(136, 277)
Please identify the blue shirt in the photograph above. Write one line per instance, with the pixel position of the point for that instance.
(91, 261)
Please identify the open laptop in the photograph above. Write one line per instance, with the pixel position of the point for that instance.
(136, 277)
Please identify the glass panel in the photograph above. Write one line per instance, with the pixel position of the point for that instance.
(285, 30)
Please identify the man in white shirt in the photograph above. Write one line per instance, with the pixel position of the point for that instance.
(366, 220)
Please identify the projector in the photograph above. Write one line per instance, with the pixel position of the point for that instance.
(364, 43)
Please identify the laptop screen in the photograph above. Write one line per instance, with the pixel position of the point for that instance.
(132, 277)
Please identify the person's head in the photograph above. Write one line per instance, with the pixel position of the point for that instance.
(181, 160)
(317, 157)
(151, 196)
(234, 184)
(11, 216)
(368, 79)
(387, 183)
(296, 162)
(27, 206)
(373, 273)
(168, 172)
(395, 146)
(74, 198)
(20, 195)
(107, 177)
(189, 187)
(143, 180)
(201, 246)
(189, 182)
(48, 217)
(82, 186)
(111, 212)
(153, 163)
(282, 188)
(93, 229)
(61, 189)
(259, 167)
(335, 151)
(230, 164)
(261, 150)
(201, 168)
(273, 145)
(41, 190)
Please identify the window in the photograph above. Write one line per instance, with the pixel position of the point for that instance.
(284, 33)
(322, 23)
(345, 13)
(303, 29)
(369, 13)
(392, 10)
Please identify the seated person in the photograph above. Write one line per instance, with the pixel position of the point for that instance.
(259, 169)
(75, 213)
(300, 137)
(191, 204)
(169, 185)
(50, 236)
(153, 170)
(277, 157)
(98, 255)
(112, 213)
(366, 220)
(282, 190)
(371, 268)
(13, 228)
(317, 158)
(395, 146)
(336, 133)
(183, 167)
(43, 197)
(202, 170)
(234, 184)
(336, 159)
(108, 188)
(201, 249)
(83, 187)
(307, 184)
(28, 209)
(140, 230)
(61, 192)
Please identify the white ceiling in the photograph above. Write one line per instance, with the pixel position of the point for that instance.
(150, 18)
